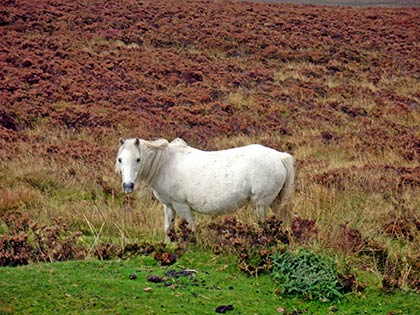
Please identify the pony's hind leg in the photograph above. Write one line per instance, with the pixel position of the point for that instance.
(260, 211)
(278, 209)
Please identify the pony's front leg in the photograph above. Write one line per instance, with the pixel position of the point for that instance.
(169, 221)
(184, 211)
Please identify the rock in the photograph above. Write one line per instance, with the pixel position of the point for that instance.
(224, 308)
(154, 279)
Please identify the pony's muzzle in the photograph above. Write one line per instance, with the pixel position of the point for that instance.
(128, 187)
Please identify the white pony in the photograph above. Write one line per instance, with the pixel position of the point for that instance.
(185, 179)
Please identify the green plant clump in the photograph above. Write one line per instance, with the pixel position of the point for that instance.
(307, 274)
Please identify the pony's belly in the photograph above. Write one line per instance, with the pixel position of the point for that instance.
(218, 206)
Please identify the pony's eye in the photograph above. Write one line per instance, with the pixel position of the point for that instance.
(119, 160)
(138, 160)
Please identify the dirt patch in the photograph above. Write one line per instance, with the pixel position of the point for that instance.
(177, 279)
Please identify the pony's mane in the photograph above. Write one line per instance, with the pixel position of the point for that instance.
(151, 153)
(179, 142)
(159, 144)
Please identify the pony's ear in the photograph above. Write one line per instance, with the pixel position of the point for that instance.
(137, 142)
(121, 141)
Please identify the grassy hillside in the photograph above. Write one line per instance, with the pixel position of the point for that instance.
(336, 87)
(92, 287)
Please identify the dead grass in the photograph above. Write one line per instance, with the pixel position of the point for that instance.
(240, 98)
(363, 193)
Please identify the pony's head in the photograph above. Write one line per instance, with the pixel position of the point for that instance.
(128, 163)
(139, 158)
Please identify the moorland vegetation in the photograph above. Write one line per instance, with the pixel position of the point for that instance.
(337, 87)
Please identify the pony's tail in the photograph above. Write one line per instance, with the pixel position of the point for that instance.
(285, 194)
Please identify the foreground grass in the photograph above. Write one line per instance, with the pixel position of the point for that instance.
(107, 287)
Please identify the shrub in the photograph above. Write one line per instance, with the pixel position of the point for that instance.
(25, 241)
(307, 274)
(253, 245)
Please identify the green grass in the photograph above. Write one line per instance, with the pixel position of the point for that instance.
(105, 287)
